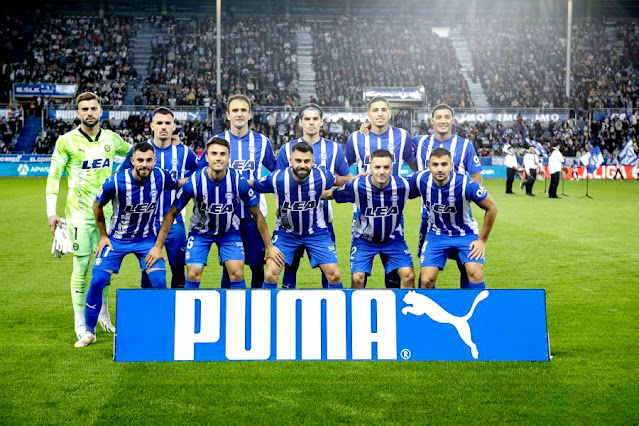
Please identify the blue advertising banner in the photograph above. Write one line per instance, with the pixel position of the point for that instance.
(54, 90)
(409, 325)
(493, 172)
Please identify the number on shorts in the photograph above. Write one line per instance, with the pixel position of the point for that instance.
(189, 243)
(275, 238)
(353, 250)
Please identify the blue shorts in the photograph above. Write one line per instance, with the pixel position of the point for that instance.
(394, 251)
(229, 246)
(253, 245)
(437, 248)
(300, 252)
(111, 260)
(423, 231)
(319, 246)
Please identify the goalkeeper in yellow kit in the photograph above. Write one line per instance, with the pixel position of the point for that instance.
(86, 154)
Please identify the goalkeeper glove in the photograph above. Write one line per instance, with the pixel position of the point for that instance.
(61, 242)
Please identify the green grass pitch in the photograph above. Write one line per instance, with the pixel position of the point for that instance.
(582, 251)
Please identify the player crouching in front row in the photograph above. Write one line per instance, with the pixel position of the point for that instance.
(451, 226)
(378, 228)
(134, 193)
(216, 191)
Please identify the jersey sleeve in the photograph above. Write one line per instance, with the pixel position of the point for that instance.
(265, 184)
(282, 158)
(346, 193)
(202, 162)
(191, 162)
(59, 161)
(330, 179)
(122, 148)
(169, 181)
(341, 167)
(107, 192)
(184, 194)
(475, 192)
(351, 158)
(472, 160)
(247, 195)
(269, 157)
(413, 185)
(127, 164)
(409, 151)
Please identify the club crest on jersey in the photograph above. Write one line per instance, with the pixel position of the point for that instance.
(299, 206)
(451, 200)
(243, 165)
(98, 163)
(107, 148)
(153, 193)
(215, 208)
(311, 193)
(251, 149)
(174, 161)
(381, 211)
(394, 198)
(229, 195)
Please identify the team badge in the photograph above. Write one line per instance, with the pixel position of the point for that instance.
(107, 148)
(251, 149)
(174, 161)
(323, 157)
(229, 196)
(187, 256)
(311, 193)
(394, 198)
(451, 200)
(154, 193)
(98, 261)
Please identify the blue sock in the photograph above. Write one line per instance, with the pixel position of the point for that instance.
(289, 280)
(99, 280)
(257, 276)
(157, 278)
(464, 283)
(477, 286)
(325, 283)
(177, 276)
(270, 286)
(144, 281)
(191, 285)
(226, 281)
(238, 284)
(335, 286)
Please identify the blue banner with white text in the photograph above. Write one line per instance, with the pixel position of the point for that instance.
(300, 325)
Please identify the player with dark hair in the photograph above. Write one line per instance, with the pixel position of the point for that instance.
(451, 227)
(376, 134)
(180, 161)
(327, 154)
(135, 194)
(250, 152)
(218, 193)
(380, 198)
(464, 160)
(300, 219)
(86, 155)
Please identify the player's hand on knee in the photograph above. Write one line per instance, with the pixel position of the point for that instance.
(477, 249)
(276, 254)
(54, 222)
(104, 242)
(154, 254)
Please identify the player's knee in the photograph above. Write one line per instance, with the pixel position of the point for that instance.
(476, 275)
(408, 278)
(236, 274)
(194, 274)
(334, 276)
(358, 280)
(427, 281)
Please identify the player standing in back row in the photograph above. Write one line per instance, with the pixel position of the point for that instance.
(86, 154)
(250, 151)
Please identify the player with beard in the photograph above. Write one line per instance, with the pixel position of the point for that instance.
(86, 155)
(135, 194)
(300, 215)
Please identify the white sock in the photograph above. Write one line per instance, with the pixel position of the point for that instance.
(104, 309)
(78, 317)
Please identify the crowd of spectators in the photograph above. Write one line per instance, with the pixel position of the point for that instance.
(257, 60)
(350, 54)
(90, 52)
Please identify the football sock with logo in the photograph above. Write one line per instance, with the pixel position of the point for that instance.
(79, 282)
(158, 278)
(270, 286)
(94, 298)
(476, 286)
(289, 279)
(335, 286)
(238, 284)
(191, 285)
(226, 281)
(257, 276)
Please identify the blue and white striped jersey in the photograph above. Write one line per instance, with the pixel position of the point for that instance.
(134, 202)
(248, 154)
(462, 151)
(328, 154)
(449, 210)
(380, 210)
(300, 208)
(397, 141)
(215, 203)
(180, 161)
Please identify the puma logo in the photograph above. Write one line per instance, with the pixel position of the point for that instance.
(91, 306)
(420, 305)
